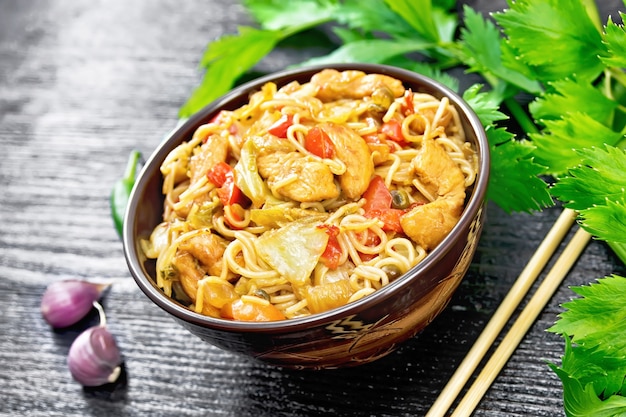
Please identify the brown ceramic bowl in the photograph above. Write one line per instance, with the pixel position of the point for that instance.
(356, 333)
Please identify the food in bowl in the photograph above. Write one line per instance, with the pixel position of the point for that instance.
(310, 196)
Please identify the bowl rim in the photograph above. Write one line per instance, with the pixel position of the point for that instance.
(183, 131)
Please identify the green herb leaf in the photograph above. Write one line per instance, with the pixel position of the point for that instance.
(580, 395)
(572, 94)
(602, 209)
(556, 145)
(481, 47)
(417, 13)
(615, 39)
(225, 62)
(273, 15)
(485, 105)
(606, 222)
(556, 38)
(120, 193)
(596, 315)
(373, 16)
(519, 189)
(603, 165)
(369, 50)
(593, 371)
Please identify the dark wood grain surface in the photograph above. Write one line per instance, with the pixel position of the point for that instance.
(82, 83)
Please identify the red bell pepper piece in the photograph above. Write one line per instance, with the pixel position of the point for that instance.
(223, 176)
(393, 130)
(318, 143)
(332, 253)
(378, 205)
(217, 174)
(408, 106)
(279, 128)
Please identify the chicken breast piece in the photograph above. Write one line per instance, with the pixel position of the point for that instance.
(208, 249)
(437, 171)
(429, 224)
(352, 150)
(334, 85)
(297, 176)
(269, 144)
(214, 150)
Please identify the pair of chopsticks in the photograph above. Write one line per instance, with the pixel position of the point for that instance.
(502, 315)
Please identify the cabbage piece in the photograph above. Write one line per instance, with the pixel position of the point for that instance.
(277, 216)
(202, 216)
(293, 250)
(247, 176)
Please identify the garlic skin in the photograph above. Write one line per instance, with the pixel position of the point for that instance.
(64, 303)
(94, 358)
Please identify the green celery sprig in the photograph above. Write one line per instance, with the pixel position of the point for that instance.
(581, 116)
(594, 364)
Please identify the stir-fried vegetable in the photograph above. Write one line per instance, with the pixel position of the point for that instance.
(318, 143)
(247, 176)
(293, 250)
(223, 176)
(378, 201)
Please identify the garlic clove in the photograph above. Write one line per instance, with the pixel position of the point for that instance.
(94, 358)
(64, 303)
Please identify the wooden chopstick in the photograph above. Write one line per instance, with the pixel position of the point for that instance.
(526, 318)
(502, 315)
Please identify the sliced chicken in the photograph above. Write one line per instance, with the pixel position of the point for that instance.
(430, 223)
(352, 150)
(298, 177)
(268, 144)
(351, 84)
(212, 151)
(208, 249)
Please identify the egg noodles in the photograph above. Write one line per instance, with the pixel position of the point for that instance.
(308, 197)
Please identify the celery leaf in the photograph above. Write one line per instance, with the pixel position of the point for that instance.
(373, 16)
(597, 316)
(597, 189)
(606, 222)
(556, 38)
(593, 371)
(556, 145)
(225, 63)
(481, 48)
(602, 165)
(580, 398)
(518, 189)
(369, 50)
(485, 105)
(572, 94)
(615, 40)
(273, 15)
(413, 12)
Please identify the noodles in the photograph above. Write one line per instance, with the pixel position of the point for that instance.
(309, 197)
